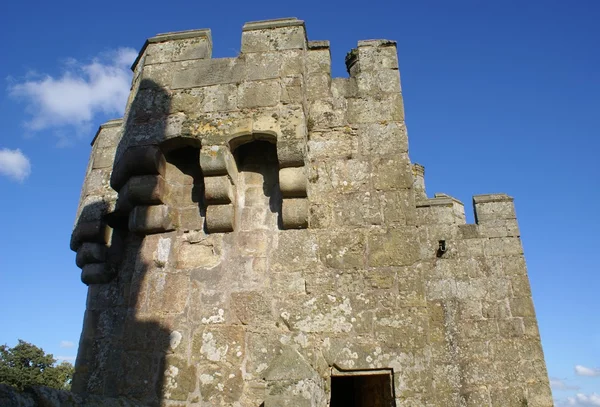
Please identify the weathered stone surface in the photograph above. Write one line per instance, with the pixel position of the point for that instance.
(208, 72)
(218, 190)
(97, 273)
(220, 218)
(259, 94)
(140, 160)
(279, 235)
(292, 182)
(151, 219)
(90, 253)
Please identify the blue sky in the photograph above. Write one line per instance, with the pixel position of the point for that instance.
(500, 97)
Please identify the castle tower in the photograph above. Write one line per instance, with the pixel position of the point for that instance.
(253, 233)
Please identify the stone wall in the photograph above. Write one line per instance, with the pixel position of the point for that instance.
(253, 227)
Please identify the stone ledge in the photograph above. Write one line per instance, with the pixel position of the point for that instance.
(318, 45)
(439, 200)
(181, 35)
(376, 43)
(485, 198)
(276, 23)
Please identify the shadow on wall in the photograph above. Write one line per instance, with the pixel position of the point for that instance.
(257, 161)
(125, 341)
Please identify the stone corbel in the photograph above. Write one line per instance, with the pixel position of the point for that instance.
(293, 183)
(220, 173)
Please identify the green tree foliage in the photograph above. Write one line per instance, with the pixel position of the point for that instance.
(27, 365)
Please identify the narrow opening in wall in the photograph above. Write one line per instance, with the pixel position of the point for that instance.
(362, 389)
(259, 197)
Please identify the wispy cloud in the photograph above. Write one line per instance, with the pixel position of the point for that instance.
(558, 384)
(14, 164)
(587, 371)
(66, 344)
(67, 358)
(583, 400)
(72, 99)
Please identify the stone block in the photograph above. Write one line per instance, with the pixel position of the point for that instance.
(341, 176)
(318, 86)
(263, 65)
(217, 160)
(503, 246)
(290, 154)
(342, 250)
(292, 182)
(206, 72)
(522, 307)
(323, 115)
(109, 134)
(398, 207)
(142, 190)
(159, 75)
(252, 308)
(91, 231)
(273, 35)
(383, 138)
(90, 253)
(332, 144)
(178, 46)
(199, 255)
(318, 60)
(290, 365)
(138, 160)
(147, 220)
(376, 83)
(376, 55)
(296, 250)
(97, 182)
(180, 379)
(219, 218)
(218, 190)
(357, 209)
(392, 173)
(396, 247)
(384, 108)
(493, 208)
(103, 157)
(294, 213)
(259, 94)
(193, 48)
(292, 90)
(97, 273)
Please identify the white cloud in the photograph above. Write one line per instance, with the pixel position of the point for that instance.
(82, 91)
(558, 384)
(587, 371)
(584, 400)
(67, 358)
(14, 164)
(66, 344)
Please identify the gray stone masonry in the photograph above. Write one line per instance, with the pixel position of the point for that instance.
(253, 227)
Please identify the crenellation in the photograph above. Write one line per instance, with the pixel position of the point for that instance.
(254, 228)
(176, 46)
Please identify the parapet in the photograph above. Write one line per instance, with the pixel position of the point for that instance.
(176, 46)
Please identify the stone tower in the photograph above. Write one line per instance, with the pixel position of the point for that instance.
(253, 233)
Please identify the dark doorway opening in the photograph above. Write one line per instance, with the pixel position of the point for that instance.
(362, 389)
